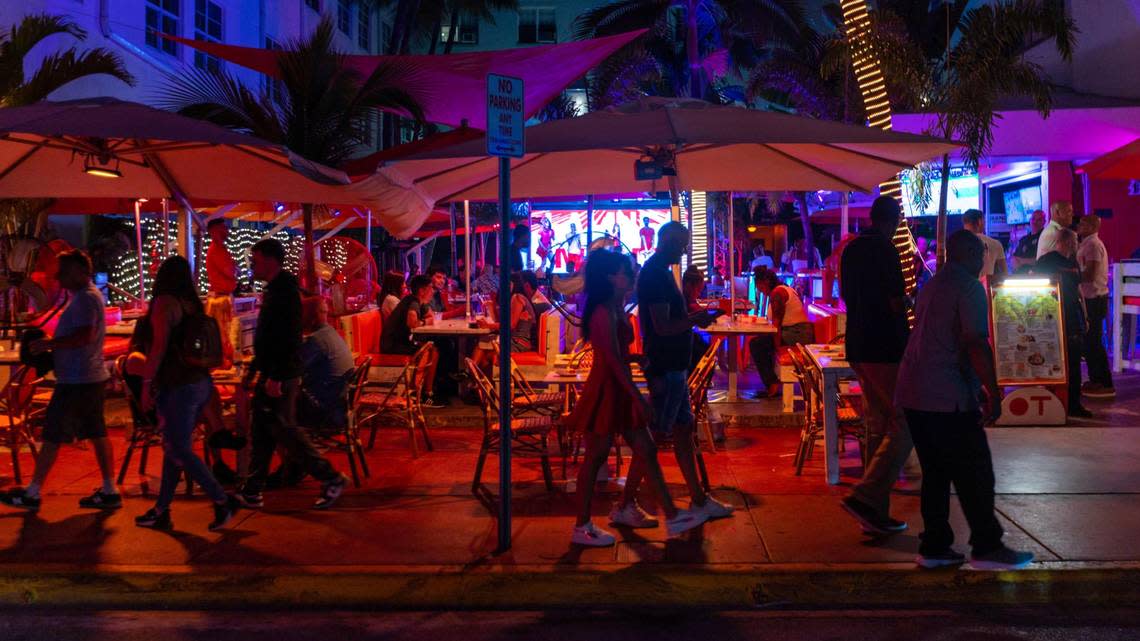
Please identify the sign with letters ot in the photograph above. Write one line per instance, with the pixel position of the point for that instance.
(505, 119)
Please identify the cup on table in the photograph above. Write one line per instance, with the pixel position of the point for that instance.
(436, 317)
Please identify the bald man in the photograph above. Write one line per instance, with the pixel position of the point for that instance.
(1060, 217)
(1093, 260)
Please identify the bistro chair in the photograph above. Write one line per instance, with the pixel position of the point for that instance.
(851, 424)
(528, 434)
(16, 405)
(346, 438)
(400, 402)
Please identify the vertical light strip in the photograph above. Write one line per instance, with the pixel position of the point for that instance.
(873, 88)
(700, 231)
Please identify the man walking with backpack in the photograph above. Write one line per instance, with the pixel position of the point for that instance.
(76, 407)
(275, 376)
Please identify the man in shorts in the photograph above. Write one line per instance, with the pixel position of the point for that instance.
(76, 407)
(667, 327)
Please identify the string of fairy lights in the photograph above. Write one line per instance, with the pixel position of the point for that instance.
(124, 275)
(873, 88)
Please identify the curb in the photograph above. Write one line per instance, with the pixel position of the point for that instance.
(537, 587)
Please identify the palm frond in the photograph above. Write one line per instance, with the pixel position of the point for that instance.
(61, 68)
(21, 38)
(621, 16)
(222, 99)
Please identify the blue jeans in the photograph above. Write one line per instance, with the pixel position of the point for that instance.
(669, 393)
(178, 411)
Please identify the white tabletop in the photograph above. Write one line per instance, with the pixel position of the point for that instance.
(125, 328)
(741, 326)
(829, 357)
(451, 327)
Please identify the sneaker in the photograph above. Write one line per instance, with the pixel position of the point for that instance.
(224, 512)
(1080, 412)
(632, 516)
(940, 559)
(591, 535)
(155, 520)
(100, 500)
(1100, 391)
(713, 509)
(685, 521)
(871, 521)
(431, 403)
(18, 497)
(330, 492)
(1002, 558)
(250, 500)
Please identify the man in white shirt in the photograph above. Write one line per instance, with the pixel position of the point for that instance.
(994, 266)
(1060, 216)
(1093, 260)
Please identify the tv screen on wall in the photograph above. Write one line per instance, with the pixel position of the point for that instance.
(961, 195)
(558, 236)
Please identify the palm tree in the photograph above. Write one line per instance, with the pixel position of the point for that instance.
(55, 71)
(324, 114)
(963, 80)
(688, 39)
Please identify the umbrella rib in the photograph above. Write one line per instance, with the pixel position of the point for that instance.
(261, 157)
(484, 182)
(812, 167)
(444, 171)
(897, 163)
(19, 161)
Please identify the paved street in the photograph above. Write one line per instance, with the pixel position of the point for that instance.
(889, 625)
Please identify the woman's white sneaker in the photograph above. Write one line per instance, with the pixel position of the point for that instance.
(713, 509)
(684, 521)
(632, 516)
(592, 536)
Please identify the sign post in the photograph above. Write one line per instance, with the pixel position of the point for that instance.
(505, 121)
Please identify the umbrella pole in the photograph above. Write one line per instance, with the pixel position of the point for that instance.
(467, 252)
(165, 228)
(454, 246)
(310, 275)
(139, 250)
(731, 259)
(844, 219)
(589, 222)
(368, 244)
(504, 355)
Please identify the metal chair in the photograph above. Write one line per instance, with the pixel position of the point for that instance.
(401, 401)
(850, 419)
(528, 434)
(16, 405)
(346, 438)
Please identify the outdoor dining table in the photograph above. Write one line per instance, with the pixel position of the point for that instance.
(829, 360)
(124, 328)
(733, 330)
(450, 327)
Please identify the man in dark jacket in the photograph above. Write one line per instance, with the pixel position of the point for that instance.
(1060, 266)
(275, 377)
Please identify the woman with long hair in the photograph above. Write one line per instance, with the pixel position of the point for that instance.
(179, 391)
(787, 313)
(610, 403)
(391, 293)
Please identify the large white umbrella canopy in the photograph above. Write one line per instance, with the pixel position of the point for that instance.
(711, 147)
(108, 148)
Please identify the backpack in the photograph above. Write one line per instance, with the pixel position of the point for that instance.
(199, 341)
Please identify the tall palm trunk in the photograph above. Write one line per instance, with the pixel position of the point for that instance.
(943, 195)
(691, 49)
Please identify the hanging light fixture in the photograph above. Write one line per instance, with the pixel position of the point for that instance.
(100, 165)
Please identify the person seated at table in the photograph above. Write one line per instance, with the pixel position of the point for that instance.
(327, 366)
(438, 302)
(523, 321)
(692, 284)
(396, 335)
(391, 291)
(786, 312)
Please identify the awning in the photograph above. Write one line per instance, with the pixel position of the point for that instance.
(452, 89)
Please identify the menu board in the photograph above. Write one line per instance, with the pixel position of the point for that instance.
(1028, 334)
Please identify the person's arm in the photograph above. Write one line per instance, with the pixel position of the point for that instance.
(518, 308)
(81, 337)
(162, 319)
(1001, 269)
(603, 336)
(413, 318)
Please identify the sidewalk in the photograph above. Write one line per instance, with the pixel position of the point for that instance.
(416, 537)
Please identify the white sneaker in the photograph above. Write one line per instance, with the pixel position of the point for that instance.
(713, 508)
(632, 516)
(592, 536)
(685, 521)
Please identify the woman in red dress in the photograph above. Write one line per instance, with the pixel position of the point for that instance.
(610, 403)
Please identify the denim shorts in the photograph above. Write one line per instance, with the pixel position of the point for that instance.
(669, 392)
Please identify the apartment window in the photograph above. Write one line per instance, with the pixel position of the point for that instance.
(208, 27)
(385, 36)
(468, 30)
(315, 5)
(273, 87)
(162, 16)
(344, 16)
(364, 28)
(537, 25)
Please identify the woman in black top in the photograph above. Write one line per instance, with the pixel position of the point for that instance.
(178, 391)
